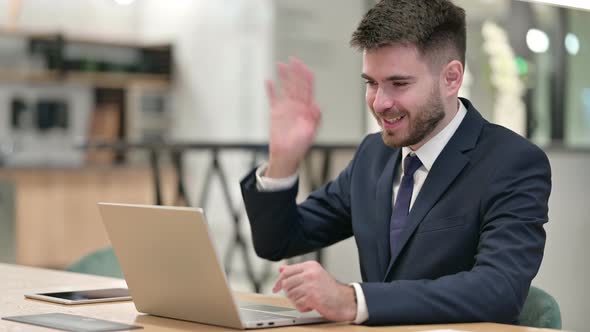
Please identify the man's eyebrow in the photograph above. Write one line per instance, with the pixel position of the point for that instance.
(390, 78)
(399, 78)
(367, 77)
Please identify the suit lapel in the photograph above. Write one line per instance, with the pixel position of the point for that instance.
(445, 170)
(439, 178)
(384, 196)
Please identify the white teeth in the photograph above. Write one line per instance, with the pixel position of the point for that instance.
(394, 119)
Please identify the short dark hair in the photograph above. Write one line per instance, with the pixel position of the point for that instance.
(431, 25)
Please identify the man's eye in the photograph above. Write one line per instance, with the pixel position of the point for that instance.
(400, 83)
(371, 83)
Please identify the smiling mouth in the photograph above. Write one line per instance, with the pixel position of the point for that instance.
(392, 121)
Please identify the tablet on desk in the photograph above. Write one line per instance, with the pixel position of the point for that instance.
(84, 296)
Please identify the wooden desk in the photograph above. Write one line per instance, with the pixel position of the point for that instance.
(16, 280)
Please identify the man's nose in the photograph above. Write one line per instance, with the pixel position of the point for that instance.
(382, 102)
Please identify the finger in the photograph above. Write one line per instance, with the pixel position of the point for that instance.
(310, 78)
(285, 78)
(298, 77)
(286, 272)
(278, 285)
(270, 92)
(307, 78)
(315, 114)
(296, 293)
(303, 308)
(291, 270)
(293, 281)
(301, 305)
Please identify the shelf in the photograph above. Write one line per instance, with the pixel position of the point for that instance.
(101, 80)
(51, 35)
(151, 65)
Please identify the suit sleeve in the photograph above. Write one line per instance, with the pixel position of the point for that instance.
(511, 243)
(281, 228)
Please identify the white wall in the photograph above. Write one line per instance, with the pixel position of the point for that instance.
(318, 32)
(94, 18)
(222, 56)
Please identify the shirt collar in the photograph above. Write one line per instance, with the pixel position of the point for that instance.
(431, 149)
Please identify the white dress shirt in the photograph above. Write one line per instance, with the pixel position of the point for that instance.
(427, 155)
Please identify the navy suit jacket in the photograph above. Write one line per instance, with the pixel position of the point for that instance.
(473, 241)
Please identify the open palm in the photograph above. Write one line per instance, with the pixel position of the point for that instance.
(295, 117)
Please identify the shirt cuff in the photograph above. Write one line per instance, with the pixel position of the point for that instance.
(362, 312)
(264, 183)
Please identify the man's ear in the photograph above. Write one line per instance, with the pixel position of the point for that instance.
(452, 78)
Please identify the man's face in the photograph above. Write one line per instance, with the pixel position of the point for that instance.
(403, 95)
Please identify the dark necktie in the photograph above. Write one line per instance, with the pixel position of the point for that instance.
(402, 201)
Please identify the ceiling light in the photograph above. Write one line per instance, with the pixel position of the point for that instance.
(124, 2)
(537, 41)
(572, 44)
(580, 4)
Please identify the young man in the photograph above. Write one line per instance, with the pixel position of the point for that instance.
(447, 209)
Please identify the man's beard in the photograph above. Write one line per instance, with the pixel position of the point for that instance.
(421, 123)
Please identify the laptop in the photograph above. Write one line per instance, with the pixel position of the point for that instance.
(172, 269)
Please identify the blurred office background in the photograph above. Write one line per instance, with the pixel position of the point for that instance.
(153, 101)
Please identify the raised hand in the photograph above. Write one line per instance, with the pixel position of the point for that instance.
(295, 118)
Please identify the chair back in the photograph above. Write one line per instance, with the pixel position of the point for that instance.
(540, 310)
(102, 262)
